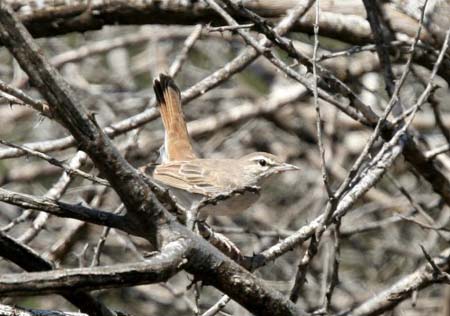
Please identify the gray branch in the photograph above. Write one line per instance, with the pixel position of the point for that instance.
(158, 268)
(403, 289)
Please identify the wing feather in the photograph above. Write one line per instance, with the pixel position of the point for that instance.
(189, 176)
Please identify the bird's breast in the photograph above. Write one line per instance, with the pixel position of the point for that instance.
(232, 205)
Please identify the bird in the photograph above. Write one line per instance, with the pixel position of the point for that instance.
(214, 186)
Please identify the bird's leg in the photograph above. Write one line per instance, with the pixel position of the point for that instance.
(220, 241)
(191, 216)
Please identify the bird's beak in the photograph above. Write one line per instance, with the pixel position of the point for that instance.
(287, 167)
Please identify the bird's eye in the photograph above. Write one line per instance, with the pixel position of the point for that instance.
(262, 162)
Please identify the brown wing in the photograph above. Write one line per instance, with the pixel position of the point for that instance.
(189, 176)
(177, 141)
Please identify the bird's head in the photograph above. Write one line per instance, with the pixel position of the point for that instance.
(260, 166)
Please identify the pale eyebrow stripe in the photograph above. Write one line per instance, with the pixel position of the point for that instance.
(262, 157)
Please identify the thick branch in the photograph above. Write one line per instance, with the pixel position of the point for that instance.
(149, 220)
(159, 268)
(133, 191)
(62, 209)
(343, 22)
(338, 21)
(17, 311)
(29, 260)
(381, 37)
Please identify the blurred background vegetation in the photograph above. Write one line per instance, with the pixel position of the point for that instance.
(379, 238)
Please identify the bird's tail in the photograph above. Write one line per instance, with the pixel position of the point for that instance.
(177, 141)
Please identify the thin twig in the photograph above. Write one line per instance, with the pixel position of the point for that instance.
(409, 197)
(187, 46)
(57, 163)
(351, 176)
(101, 241)
(336, 264)
(300, 276)
(370, 48)
(430, 86)
(319, 131)
(229, 28)
(423, 225)
(432, 153)
(40, 106)
(216, 308)
(438, 119)
(438, 273)
(287, 45)
(266, 52)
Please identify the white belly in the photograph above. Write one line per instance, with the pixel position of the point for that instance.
(233, 205)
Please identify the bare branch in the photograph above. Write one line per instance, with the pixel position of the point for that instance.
(63, 209)
(402, 289)
(29, 260)
(17, 311)
(158, 268)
